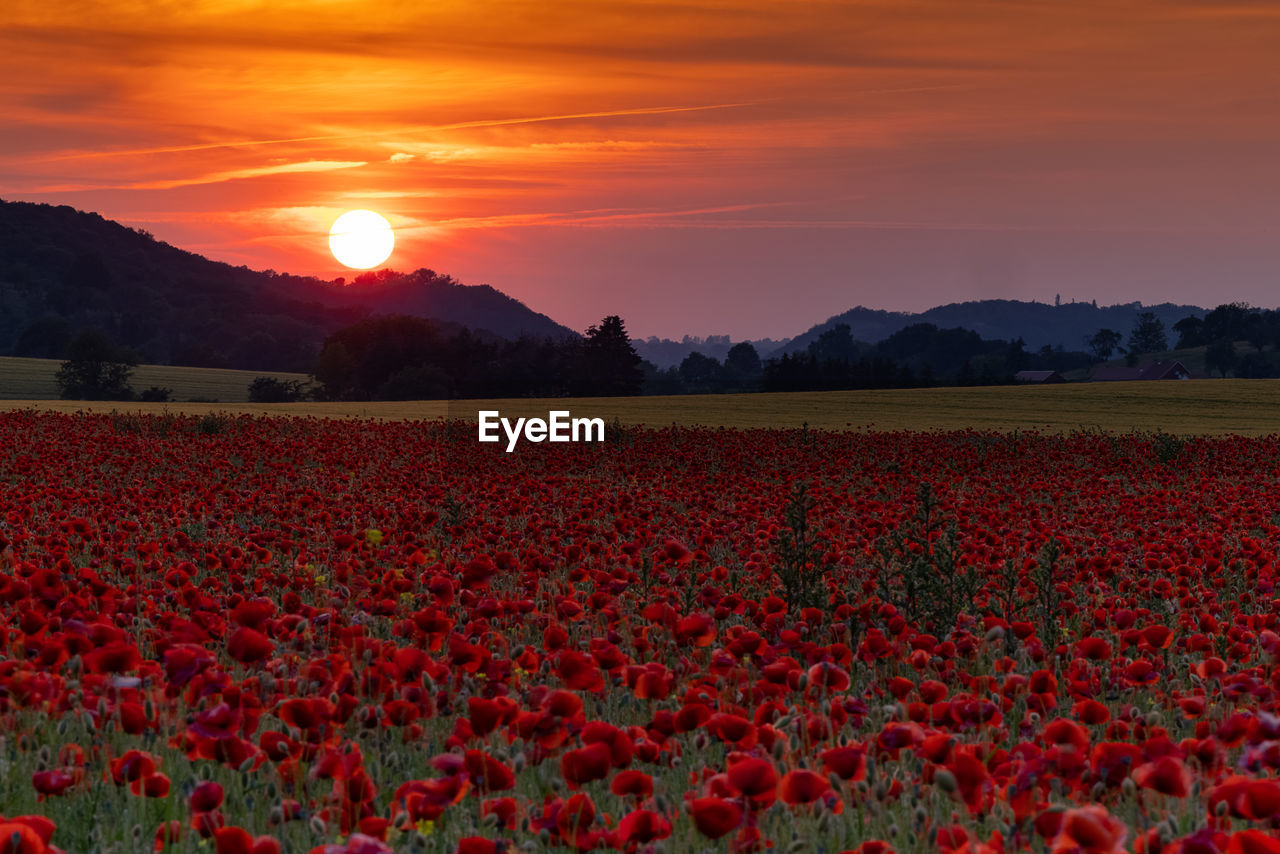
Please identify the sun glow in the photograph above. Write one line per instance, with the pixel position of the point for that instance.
(361, 239)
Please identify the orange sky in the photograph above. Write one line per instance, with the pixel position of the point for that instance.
(698, 167)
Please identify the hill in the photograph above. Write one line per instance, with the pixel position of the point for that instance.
(63, 270)
(1037, 324)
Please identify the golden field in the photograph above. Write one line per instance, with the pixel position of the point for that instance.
(33, 379)
(1247, 407)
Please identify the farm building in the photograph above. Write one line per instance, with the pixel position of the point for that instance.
(1039, 377)
(1145, 371)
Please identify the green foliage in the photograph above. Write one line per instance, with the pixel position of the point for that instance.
(1147, 335)
(1166, 446)
(1046, 595)
(920, 571)
(1104, 342)
(155, 394)
(214, 424)
(95, 369)
(609, 365)
(800, 553)
(273, 390)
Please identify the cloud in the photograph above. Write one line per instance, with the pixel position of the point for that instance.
(400, 157)
(214, 177)
(474, 124)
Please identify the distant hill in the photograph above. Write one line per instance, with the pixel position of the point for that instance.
(1066, 325)
(63, 270)
(666, 353)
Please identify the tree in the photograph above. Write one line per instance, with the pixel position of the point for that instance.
(699, 371)
(1147, 335)
(1190, 332)
(274, 390)
(611, 365)
(96, 369)
(835, 345)
(743, 361)
(1104, 342)
(1221, 356)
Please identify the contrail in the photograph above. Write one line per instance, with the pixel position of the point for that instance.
(480, 123)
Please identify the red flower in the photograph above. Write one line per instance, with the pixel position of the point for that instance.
(1166, 775)
(249, 645)
(1090, 830)
(54, 782)
(802, 787)
(1252, 842)
(206, 797)
(643, 827)
(847, 763)
(636, 783)
(585, 764)
(715, 817)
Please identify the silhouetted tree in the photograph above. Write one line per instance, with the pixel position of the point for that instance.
(1190, 332)
(743, 361)
(1220, 356)
(610, 365)
(273, 390)
(1104, 342)
(1147, 335)
(96, 369)
(700, 373)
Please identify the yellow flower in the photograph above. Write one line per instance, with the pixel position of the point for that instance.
(373, 537)
(425, 826)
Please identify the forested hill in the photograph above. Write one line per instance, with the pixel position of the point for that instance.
(63, 270)
(1037, 324)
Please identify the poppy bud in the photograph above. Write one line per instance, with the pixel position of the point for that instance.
(945, 780)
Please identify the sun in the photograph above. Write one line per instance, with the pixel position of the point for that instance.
(361, 239)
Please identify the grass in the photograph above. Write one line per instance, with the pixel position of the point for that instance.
(1193, 407)
(33, 379)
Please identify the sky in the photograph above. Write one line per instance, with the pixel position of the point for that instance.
(740, 167)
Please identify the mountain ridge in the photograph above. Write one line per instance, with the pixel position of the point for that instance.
(62, 270)
(1064, 325)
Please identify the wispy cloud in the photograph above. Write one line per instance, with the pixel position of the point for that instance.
(383, 133)
(212, 177)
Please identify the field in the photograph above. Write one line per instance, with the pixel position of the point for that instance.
(1195, 407)
(33, 379)
(260, 635)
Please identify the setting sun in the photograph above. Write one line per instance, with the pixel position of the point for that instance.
(361, 239)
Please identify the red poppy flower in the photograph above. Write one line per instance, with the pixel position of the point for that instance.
(1166, 775)
(1090, 830)
(585, 764)
(249, 645)
(643, 827)
(715, 817)
(802, 787)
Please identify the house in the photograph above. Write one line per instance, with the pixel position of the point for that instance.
(1145, 371)
(1038, 377)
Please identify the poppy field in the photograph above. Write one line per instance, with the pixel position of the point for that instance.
(280, 634)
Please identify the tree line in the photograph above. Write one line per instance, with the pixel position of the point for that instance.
(398, 357)
(1238, 340)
